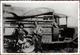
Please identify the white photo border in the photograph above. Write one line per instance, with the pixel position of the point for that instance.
(30, 2)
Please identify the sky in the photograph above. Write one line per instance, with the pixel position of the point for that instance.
(68, 8)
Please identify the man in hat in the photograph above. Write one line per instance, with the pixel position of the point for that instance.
(19, 36)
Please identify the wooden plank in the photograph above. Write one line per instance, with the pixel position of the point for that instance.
(32, 21)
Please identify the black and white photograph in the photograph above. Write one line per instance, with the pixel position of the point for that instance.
(40, 27)
(39, 0)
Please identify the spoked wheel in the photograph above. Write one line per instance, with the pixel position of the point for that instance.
(28, 46)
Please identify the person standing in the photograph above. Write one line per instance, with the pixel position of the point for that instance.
(19, 35)
(38, 30)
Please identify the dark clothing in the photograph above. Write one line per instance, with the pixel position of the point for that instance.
(38, 43)
(19, 34)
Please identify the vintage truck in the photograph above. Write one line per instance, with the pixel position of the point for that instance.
(45, 17)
